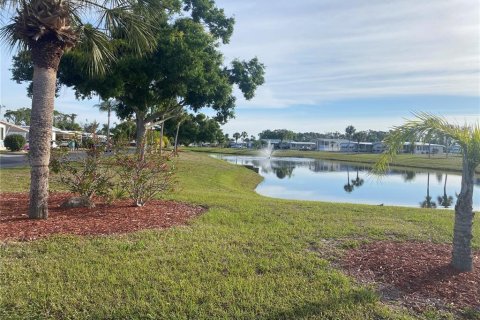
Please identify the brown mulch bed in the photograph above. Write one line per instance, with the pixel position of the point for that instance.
(118, 217)
(416, 274)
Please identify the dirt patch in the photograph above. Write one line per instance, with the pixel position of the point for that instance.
(118, 217)
(416, 274)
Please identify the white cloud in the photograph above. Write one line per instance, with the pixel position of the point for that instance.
(327, 50)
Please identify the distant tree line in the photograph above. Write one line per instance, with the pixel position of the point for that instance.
(284, 135)
(21, 117)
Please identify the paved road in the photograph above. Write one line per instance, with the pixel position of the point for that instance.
(13, 160)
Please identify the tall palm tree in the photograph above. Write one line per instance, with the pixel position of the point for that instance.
(107, 106)
(468, 137)
(49, 28)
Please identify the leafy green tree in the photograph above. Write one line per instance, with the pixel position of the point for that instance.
(349, 132)
(47, 29)
(20, 116)
(124, 132)
(468, 137)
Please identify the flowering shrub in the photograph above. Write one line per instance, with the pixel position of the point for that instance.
(86, 177)
(144, 177)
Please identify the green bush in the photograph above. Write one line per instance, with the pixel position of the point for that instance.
(14, 142)
(87, 178)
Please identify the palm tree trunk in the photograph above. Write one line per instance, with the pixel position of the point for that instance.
(40, 136)
(462, 259)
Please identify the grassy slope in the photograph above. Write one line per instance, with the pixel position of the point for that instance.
(248, 257)
(436, 162)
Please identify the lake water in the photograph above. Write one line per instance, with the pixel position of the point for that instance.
(322, 180)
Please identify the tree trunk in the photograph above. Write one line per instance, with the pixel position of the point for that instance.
(462, 259)
(176, 137)
(140, 135)
(40, 137)
(108, 128)
(161, 135)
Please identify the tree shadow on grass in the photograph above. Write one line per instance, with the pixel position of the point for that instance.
(330, 308)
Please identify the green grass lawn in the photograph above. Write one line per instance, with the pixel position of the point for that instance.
(248, 257)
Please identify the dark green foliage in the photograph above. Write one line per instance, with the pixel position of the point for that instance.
(14, 142)
(124, 132)
(196, 128)
(21, 116)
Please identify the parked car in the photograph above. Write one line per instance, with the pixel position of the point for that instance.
(26, 147)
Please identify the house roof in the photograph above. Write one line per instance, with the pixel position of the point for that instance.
(14, 126)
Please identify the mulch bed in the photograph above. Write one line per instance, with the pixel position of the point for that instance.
(417, 275)
(118, 217)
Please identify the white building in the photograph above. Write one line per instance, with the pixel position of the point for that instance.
(329, 144)
(295, 145)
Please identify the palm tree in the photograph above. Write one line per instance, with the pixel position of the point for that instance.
(49, 28)
(244, 135)
(107, 106)
(236, 136)
(468, 137)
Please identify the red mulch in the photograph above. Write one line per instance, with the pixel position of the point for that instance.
(118, 217)
(418, 274)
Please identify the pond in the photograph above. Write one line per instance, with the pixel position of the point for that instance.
(322, 180)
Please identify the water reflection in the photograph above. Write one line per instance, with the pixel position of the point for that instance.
(348, 187)
(358, 182)
(309, 179)
(445, 200)
(428, 203)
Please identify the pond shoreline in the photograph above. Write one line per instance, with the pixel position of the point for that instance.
(451, 164)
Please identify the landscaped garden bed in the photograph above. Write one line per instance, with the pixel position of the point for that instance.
(118, 217)
(417, 274)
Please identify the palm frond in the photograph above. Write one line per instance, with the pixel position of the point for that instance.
(424, 125)
(96, 50)
(9, 38)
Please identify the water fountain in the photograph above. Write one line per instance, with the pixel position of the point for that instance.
(267, 151)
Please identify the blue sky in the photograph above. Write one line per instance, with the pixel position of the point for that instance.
(334, 63)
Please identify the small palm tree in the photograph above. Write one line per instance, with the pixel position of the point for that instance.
(48, 29)
(107, 106)
(468, 137)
